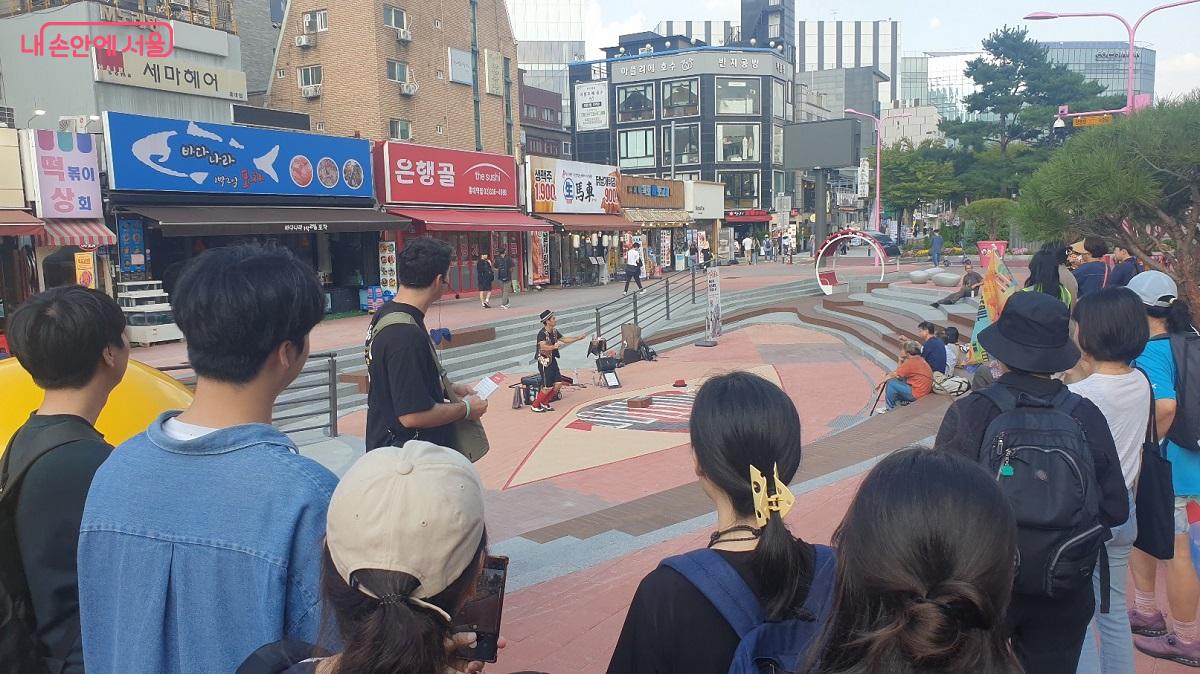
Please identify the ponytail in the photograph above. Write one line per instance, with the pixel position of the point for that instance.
(784, 568)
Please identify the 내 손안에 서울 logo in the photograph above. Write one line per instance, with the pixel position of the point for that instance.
(73, 39)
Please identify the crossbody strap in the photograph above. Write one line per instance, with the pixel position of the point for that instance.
(1152, 423)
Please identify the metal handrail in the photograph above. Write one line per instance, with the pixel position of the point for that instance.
(645, 308)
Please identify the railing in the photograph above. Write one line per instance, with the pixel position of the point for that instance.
(310, 390)
(661, 298)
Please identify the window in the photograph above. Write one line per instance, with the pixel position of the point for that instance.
(394, 17)
(738, 142)
(635, 103)
(316, 22)
(400, 129)
(686, 145)
(681, 99)
(777, 145)
(566, 149)
(636, 148)
(397, 71)
(440, 129)
(773, 25)
(778, 99)
(741, 188)
(681, 175)
(309, 75)
(280, 74)
(738, 96)
(531, 111)
(547, 115)
(320, 126)
(777, 184)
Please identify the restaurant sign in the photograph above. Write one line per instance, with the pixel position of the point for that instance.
(62, 174)
(561, 186)
(419, 174)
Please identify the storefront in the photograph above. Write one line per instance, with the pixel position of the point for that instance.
(658, 207)
(584, 201)
(18, 273)
(468, 199)
(754, 222)
(705, 203)
(180, 187)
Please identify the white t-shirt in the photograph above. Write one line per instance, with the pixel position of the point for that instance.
(748, 244)
(633, 256)
(951, 359)
(1125, 401)
(184, 432)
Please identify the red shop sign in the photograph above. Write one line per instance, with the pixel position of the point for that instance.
(418, 174)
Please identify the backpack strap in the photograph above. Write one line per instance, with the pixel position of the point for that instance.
(721, 584)
(820, 589)
(43, 442)
(1001, 396)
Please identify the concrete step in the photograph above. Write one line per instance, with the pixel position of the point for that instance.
(917, 297)
(915, 310)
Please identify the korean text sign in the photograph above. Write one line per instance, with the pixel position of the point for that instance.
(156, 154)
(417, 174)
(67, 183)
(561, 186)
(132, 70)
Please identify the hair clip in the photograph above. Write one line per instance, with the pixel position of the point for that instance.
(764, 504)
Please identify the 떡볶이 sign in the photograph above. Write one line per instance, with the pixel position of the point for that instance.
(67, 180)
(418, 174)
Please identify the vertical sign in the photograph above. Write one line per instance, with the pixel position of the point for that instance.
(387, 273)
(541, 258)
(712, 319)
(67, 183)
(864, 178)
(591, 106)
(666, 256)
(131, 247)
(85, 269)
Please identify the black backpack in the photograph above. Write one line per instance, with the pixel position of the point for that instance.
(1040, 457)
(1185, 432)
(21, 651)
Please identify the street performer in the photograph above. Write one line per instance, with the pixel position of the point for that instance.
(549, 340)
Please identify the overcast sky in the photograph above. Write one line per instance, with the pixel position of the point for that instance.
(934, 25)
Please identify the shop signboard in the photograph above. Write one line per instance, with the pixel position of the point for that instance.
(388, 280)
(561, 186)
(419, 174)
(131, 69)
(643, 192)
(85, 269)
(12, 190)
(705, 201)
(131, 245)
(62, 174)
(461, 66)
(591, 106)
(540, 255)
(155, 154)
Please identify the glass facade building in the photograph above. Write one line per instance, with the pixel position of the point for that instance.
(1106, 63)
(937, 79)
(549, 37)
(826, 45)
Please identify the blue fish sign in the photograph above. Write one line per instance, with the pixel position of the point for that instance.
(171, 155)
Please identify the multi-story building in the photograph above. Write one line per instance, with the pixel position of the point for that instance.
(826, 45)
(843, 88)
(916, 123)
(1107, 63)
(542, 131)
(442, 74)
(711, 32)
(549, 38)
(938, 79)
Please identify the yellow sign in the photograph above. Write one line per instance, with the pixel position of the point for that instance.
(85, 269)
(1093, 120)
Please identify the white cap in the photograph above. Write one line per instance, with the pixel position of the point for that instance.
(1155, 288)
(416, 509)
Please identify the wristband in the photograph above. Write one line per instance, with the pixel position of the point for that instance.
(468, 404)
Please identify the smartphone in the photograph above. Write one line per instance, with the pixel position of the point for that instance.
(481, 613)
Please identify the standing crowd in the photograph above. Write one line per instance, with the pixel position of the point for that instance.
(209, 544)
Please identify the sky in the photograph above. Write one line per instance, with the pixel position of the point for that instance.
(932, 25)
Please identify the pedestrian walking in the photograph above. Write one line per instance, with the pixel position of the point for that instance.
(485, 276)
(749, 249)
(633, 266)
(935, 248)
(504, 274)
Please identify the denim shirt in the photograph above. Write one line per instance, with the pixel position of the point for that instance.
(192, 554)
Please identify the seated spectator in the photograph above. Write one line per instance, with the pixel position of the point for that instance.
(909, 382)
(1126, 268)
(926, 561)
(1092, 272)
(201, 537)
(968, 286)
(71, 340)
(933, 349)
(745, 433)
(949, 336)
(404, 547)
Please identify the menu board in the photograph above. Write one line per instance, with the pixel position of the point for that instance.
(387, 267)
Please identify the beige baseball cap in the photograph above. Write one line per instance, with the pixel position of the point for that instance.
(416, 509)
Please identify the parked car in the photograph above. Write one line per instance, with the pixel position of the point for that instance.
(886, 242)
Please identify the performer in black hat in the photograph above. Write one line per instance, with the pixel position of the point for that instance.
(549, 340)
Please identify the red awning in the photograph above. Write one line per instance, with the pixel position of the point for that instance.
(76, 233)
(442, 220)
(19, 223)
(587, 222)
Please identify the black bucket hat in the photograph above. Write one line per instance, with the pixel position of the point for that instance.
(1033, 334)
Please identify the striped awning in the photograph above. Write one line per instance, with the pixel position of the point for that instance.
(76, 233)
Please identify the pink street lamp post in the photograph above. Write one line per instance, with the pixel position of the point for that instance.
(1131, 29)
(876, 221)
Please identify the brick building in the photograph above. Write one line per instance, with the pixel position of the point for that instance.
(442, 74)
(542, 131)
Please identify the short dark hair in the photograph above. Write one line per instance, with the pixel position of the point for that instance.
(422, 261)
(927, 327)
(951, 335)
(1111, 327)
(1096, 246)
(1057, 250)
(59, 336)
(237, 304)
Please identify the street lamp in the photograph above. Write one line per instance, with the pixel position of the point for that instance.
(36, 113)
(876, 220)
(1131, 29)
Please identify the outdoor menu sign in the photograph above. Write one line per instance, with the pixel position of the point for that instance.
(712, 318)
(85, 269)
(155, 154)
(419, 174)
(131, 245)
(561, 186)
(63, 176)
(387, 267)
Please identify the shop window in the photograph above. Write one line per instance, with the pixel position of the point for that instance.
(394, 17)
(309, 75)
(739, 96)
(316, 22)
(741, 188)
(777, 145)
(681, 99)
(400, 129)
(778, 99)
(738, 142)
(636, 148)
(686, 145)
(635, 103)
(397, 71)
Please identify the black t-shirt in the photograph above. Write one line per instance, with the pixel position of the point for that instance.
(672, 627)
(504, 266)
(404, 380)
(549, 338)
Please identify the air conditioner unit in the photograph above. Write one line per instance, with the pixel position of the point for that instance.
(311, 91)
(403, 35)
(408, 88)
(306, 40)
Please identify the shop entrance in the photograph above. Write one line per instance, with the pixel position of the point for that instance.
(467, 247)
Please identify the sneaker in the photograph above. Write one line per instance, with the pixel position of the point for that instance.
(1147, 625)
(935, 305)
(539, 410)
(881, 410)
(547, 408)
(1169, 647)
(643, 291)
(505, 306)
(486, 305)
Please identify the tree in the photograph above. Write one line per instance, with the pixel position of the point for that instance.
(991, 214)
(1136, 182)
(911, 179)
(1021, 89)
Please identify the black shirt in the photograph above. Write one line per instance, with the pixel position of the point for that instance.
(672, 627)
(49, 510)
(404, 380)
(967, 420)
(549, 338)
(504, 265)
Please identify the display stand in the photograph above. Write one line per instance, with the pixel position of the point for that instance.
(147, 313)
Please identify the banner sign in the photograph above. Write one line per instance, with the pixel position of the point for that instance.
(131, 245)
(167, 74)
(541, 258)
(85, 269)
(67, 181)
(418, 174)
(561, 186)
(591, 106)
(155, 154)
(712, 319)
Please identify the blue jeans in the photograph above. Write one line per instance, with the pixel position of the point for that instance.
(898, 391)
(1114, 653)
(937, 257)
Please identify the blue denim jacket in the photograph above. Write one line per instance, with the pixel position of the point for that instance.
(193, 554)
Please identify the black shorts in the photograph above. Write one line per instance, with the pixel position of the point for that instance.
(550, 373)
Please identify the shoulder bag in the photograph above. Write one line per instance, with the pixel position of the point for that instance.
(1155, 497)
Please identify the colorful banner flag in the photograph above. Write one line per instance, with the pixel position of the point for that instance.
(997, 288)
